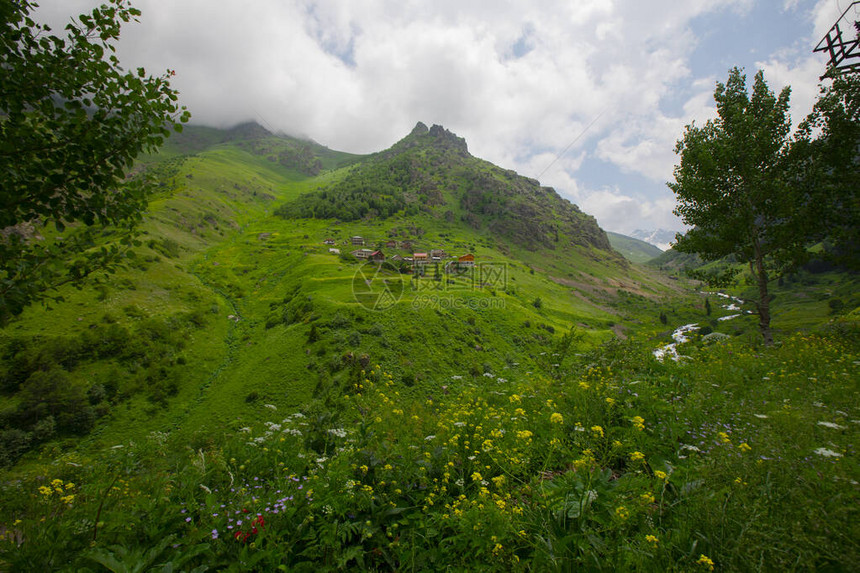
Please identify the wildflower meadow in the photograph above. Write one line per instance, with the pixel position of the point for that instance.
(737, 458)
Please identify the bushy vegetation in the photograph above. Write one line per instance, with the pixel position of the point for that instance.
(738, 459)
(63, 384)
(376, 191)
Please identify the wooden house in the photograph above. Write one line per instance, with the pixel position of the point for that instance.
(467, 260)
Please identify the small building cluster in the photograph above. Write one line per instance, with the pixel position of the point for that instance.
(418, 260)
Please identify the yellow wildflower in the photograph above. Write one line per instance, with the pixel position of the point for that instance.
(476, 476)
(524, 434)
(652, 539)
(597, 430)
(706, 561)
(621, 512)
(636, 456)
(659, 474)
(744, 447)
(556, 418)
(610, 401)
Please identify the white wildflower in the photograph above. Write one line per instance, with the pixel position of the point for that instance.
(831, 425)
(828, 453)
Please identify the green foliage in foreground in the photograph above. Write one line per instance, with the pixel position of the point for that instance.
(738, 458)
(72, 122)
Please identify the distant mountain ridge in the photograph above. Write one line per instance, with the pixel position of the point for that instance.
(431, 171)
(660, 238)
(634, 250)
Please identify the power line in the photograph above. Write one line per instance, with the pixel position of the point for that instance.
(569, 145)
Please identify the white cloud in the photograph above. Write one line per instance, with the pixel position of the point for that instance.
(519, 80)
(622, 213)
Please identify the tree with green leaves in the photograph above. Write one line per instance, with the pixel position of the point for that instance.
(826, 167)
(72, 122)
(733, 188)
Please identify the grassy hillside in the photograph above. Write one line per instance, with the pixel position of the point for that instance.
(214, 316)
(634, 250)
(367, 417)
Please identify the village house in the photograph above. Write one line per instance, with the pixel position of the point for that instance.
(334, 251)
(328, 242)
(467, 260)
(377, 256)
(358, 240)
(438, 254)
(420, 258)
(362, 253)
(391, 244)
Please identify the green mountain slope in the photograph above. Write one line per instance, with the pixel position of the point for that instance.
(244, 397)
(431, 172)
(228, 307)
(634, 250)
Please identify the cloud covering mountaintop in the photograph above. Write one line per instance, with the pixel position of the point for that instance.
(590, 95)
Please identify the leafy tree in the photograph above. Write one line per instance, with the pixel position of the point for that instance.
(826, 166)
(72, 122)
(733, 188)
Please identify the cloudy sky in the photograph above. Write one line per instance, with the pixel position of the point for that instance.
(589, 96)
